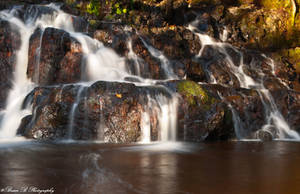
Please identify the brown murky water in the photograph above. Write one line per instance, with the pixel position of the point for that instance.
(224, 167)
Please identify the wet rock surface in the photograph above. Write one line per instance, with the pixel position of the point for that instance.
(111, 112)
(54, 57)
(213, 101)
(10, 42)
(107, 111)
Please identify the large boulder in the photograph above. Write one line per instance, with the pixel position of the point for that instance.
(107, 111)
(202, 115)
(264, 24)
(54, 57)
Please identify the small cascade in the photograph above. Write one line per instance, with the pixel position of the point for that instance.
(102, 63)
(134, 57)
(274, 119)
(13, 112)
(167, 117)
(166, 109)
(164, 61)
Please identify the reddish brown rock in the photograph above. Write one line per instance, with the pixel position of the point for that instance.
(54, 57)
(10, 42)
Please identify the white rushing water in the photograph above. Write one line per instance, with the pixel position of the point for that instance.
(21, 85)
(101, 63)
(134, 57)
(164, 61)
(274, 118)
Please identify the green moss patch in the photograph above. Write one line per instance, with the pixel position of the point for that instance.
(193, 92)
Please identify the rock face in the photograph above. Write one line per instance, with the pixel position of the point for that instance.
(112, 112)
(108, 111)
(54, 57)
(202, 115)
(219, 88)
(288, 102)
(10, 42)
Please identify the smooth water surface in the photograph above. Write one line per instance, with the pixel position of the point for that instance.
(224, 167)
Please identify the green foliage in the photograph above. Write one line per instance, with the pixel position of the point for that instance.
(192, 91)
(93, 7)
(118, 9)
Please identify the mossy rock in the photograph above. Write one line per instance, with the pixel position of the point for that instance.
(275, 4)
(270, 24)
(194, 93)
(196, 2)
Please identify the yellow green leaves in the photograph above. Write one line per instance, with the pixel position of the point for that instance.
(192, 90)
(93, 7)
(119, 10)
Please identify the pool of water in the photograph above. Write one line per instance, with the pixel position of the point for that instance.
(86, 167)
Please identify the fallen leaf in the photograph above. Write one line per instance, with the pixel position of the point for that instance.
(119, 95)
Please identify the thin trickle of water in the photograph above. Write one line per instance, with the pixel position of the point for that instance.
(146, 128)
(224, 35)
(36, 77)
(73, 111)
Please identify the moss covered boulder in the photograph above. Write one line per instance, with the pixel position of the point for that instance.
(266, 24)
(202, 115)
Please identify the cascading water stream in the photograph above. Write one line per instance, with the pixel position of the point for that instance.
(99, 63)
(21, 85)
(164, 61)
(273, 116)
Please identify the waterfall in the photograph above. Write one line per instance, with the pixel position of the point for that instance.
(13, 114)
(98, 63)
(273, 116)
(101, 63)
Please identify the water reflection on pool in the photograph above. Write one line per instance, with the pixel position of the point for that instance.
(86, 167)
